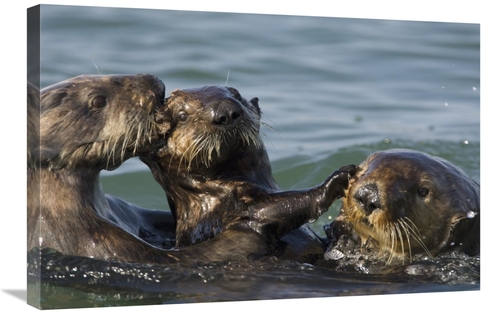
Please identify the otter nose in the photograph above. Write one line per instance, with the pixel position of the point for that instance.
(369, 196)
(226, 112)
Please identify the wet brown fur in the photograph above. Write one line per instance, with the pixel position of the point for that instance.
(421, 203)
(215, 168)
(87, 124)
(67, 208)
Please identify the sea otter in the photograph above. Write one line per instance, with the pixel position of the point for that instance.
(76, 128)
(91, 123)
(402, 202)
(216, 174)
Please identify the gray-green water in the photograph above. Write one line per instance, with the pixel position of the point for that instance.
(332, 90)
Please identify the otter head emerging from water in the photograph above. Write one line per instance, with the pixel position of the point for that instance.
(403, 202)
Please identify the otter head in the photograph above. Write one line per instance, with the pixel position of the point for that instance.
(98, 121)
(209, 126)
(404, 201)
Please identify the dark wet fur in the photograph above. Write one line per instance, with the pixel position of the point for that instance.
(80, 136)
(217, 176)
(89, 123)
(424, 200)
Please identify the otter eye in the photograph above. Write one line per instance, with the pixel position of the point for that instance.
(423, 192)
(183, 116)
(98, 102)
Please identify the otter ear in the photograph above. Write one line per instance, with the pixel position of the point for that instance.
(255, 102)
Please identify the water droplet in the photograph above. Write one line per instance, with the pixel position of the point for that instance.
(471, 214)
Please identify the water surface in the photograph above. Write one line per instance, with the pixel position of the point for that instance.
(332, 90)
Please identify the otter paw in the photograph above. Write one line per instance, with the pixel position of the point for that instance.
(350, 169)
(339, 180)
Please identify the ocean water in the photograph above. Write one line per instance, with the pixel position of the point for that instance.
(332, 90)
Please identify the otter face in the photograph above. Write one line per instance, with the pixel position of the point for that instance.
(99, 121)
(210, 124)
(405, 201)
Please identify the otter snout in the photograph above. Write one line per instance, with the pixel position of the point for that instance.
(225, 112)
(369, 197)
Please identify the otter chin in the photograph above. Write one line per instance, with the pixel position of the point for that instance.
(216, 174)
(403, 202)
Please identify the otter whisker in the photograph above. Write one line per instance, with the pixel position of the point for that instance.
(123, 138)
(216, 143)
(136, 141)
(113, 150)
(124, 144)
(203, 146)
(405, 229)
(400, 237)
(207, 147)
(200, 151)
(107, 152)
(170, 164)
(194, 150)
(392, 234)
(141, 135)
(190, 152)
(416, 234)
(108, 149)
(268, 125)
(248, 137)
(151, 128)
(389, 237)
(183, 158)
(413, 227)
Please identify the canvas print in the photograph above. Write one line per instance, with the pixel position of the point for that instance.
(190, 157)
